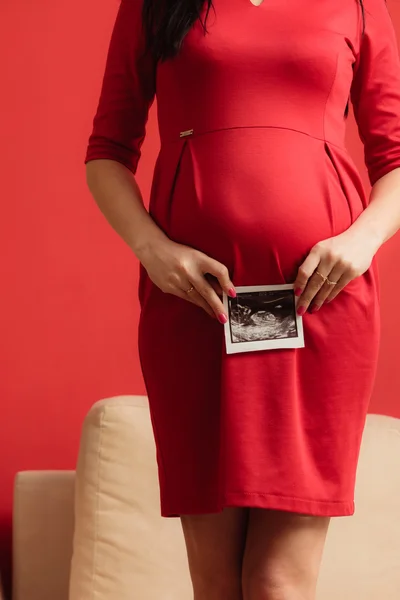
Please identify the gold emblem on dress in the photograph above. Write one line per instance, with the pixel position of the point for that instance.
(185, 133)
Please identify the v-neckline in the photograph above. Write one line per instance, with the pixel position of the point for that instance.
(256, 5)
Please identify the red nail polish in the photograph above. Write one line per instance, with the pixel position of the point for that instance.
(301, 310)
(222, 318)
(298, 291)
(232, 293)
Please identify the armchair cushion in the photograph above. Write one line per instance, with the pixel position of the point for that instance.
(123, 548)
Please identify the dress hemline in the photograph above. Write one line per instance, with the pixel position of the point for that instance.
(318, 508)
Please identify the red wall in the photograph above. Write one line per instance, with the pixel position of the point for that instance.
(68, 298)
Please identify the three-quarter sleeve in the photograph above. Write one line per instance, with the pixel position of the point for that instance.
(127, 92)
(375, 91)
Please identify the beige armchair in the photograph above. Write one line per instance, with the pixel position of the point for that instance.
(99, 534)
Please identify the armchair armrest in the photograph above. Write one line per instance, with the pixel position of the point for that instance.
(43, 523)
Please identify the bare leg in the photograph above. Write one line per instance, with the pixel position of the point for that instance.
(215, 545)
(283, 555)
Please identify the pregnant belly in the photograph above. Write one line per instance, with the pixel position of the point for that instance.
(257, 199)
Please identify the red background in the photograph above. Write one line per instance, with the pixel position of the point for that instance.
(68, 300)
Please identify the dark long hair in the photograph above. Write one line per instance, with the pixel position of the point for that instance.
(166, 23)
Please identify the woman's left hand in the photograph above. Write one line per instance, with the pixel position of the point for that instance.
(339, 259)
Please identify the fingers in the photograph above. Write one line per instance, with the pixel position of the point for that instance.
(209, 296)
(220, 271)
(341, 283)
(305, 271)
(308, 283)
(321, 277)
(328, 287)
(213, 281)
(194, 298)
(208, 278)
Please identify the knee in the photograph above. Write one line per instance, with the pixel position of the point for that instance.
(267, 586)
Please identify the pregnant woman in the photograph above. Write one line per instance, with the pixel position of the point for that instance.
(253, 185)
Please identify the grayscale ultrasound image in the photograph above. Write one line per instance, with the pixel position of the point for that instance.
(267, 315)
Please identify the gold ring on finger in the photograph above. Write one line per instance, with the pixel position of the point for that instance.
(329, 282)
(320, 274)
(190, 289)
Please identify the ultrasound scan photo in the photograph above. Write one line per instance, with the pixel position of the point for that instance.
(263, 317)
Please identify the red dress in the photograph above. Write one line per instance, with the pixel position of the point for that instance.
(259, 177)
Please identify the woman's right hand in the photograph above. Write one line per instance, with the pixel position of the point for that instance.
(175, 268)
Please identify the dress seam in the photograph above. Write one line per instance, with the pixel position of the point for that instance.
(209, 131)
(329, 95)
